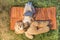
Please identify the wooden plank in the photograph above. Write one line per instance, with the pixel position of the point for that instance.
(16, 15)
(41, 14)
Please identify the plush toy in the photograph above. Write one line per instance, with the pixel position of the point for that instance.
(19, 28)
(36, 28)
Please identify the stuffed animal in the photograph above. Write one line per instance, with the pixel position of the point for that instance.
(36, 28)
(19, 28)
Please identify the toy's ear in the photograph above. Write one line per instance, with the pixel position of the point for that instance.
(44, 23)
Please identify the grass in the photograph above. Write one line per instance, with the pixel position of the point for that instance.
(7, 34)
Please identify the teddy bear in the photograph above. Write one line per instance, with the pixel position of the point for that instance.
(34, 28)
(37, 28)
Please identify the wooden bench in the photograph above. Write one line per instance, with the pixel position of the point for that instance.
(41, 14)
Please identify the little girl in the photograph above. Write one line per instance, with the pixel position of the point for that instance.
(28, 12)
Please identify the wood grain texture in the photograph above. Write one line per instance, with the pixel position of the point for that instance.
(40, 14)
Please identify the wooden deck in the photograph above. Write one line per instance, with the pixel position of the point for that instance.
(41, 14)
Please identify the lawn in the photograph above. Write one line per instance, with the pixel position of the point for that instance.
(7, 34)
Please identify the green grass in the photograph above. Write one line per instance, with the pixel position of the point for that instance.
(7, 34)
